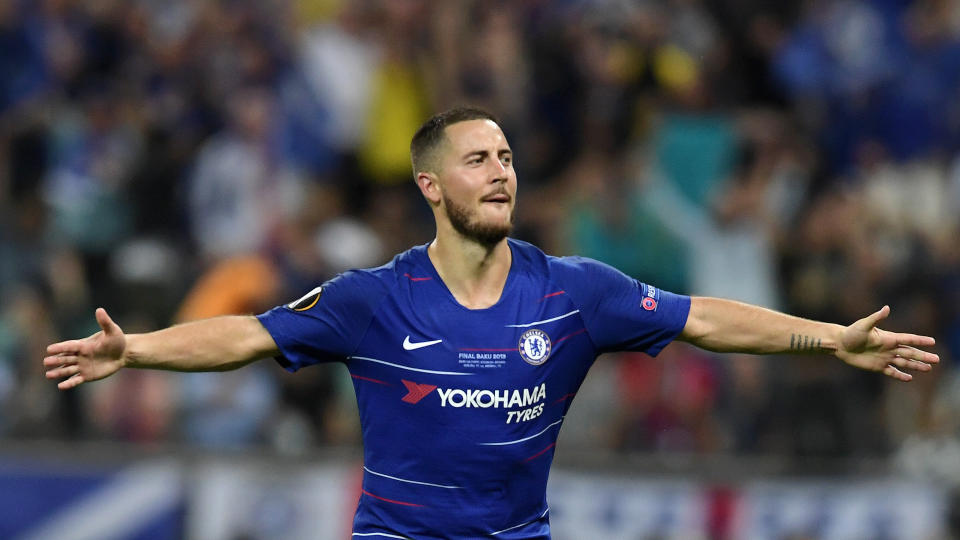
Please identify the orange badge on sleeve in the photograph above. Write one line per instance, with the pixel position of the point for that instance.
(307, 301)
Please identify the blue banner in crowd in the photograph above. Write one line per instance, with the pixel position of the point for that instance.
(43, 502)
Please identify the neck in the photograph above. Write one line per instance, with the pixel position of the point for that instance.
(474, 273)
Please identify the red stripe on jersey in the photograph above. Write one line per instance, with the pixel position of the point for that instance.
(371, 380)
(580, 331)
(365, 492)
(418, 278)
(538, 454)
(552, 294)
(490, 350)
(564, 398)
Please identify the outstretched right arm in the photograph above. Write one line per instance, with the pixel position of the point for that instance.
(217, 344)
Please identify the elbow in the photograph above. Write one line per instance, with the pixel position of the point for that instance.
(695, 331)
(698, 329)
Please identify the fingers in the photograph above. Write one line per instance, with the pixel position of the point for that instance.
(61, 372)
(873, 319)
(909, 358)
(64, 359)
(65, 347)
(59, 360)
(106, 323)
(894, 373)
(913, 359)
(914, 340)
(60, 366)
(72, 382)
(915, 365)
(912, 353)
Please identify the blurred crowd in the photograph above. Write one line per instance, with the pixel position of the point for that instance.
(177, 159)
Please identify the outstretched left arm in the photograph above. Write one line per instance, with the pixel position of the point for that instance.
(727, 326)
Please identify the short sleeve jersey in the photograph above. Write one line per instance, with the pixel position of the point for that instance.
(460, 409)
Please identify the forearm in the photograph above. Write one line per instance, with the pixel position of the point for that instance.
(216, 344)
(722, 325)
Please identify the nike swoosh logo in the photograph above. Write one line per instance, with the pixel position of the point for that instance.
(410, 346)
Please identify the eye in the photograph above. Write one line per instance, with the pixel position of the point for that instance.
(475, 161)
(507, 159)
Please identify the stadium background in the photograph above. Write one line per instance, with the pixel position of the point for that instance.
(171, 160)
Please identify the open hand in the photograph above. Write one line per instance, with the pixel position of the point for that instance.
(90, 359)
(865, 346)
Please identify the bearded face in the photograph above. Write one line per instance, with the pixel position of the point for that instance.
(469, 222)
(475, 185)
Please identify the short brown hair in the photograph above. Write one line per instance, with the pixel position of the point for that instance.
(433, 133)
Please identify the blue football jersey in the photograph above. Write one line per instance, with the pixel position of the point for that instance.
(460, 408)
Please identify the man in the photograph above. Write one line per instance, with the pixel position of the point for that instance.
(466, 352)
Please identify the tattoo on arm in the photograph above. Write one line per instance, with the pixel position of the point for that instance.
(803, 343)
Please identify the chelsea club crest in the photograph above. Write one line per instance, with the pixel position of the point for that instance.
(534, 346)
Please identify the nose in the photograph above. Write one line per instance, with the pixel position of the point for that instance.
(498, 172)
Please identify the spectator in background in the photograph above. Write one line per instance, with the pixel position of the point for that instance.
(22, 59)
(239, 189)
(230, 410)
(93, 150)
(609, 220)
(398, 96)
(338, 60)
(770, 121)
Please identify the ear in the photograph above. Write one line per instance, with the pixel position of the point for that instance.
(429, 187)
